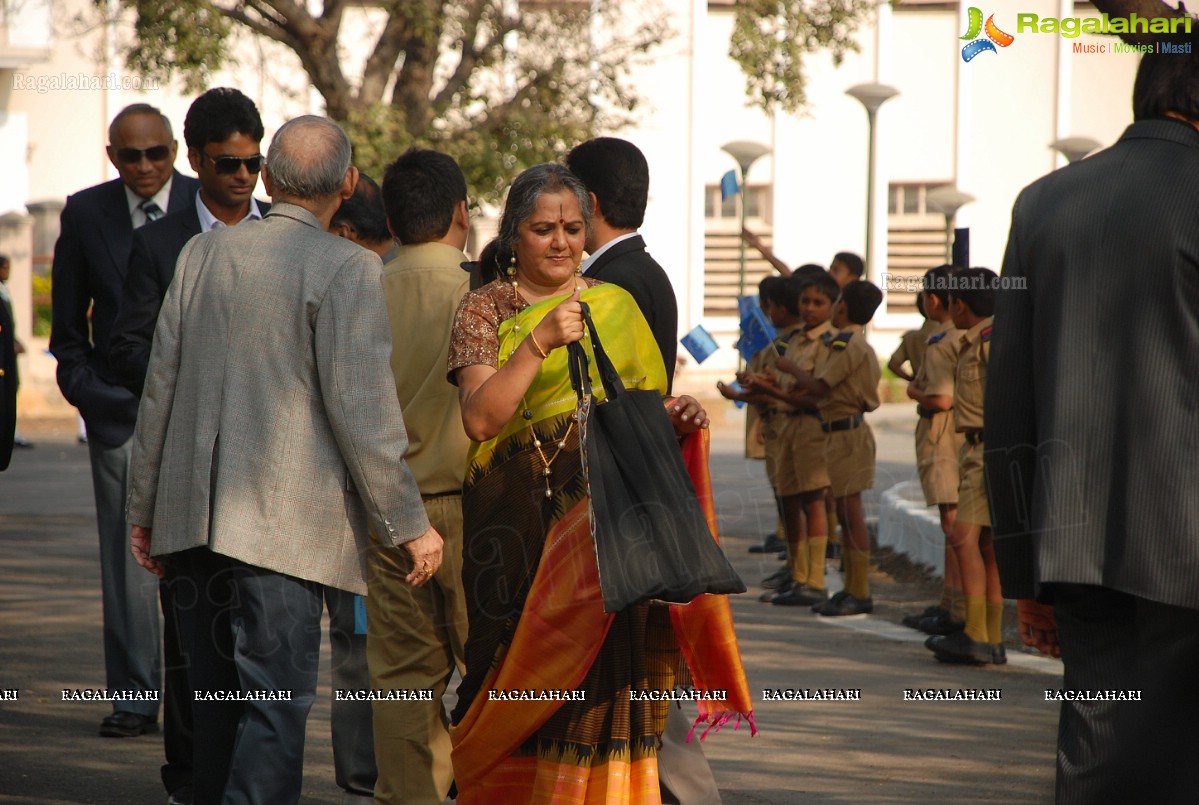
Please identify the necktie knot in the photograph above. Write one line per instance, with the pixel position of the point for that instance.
(152, 211)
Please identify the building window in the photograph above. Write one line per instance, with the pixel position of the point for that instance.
(757, 204)
(722, 246)
(915, 240)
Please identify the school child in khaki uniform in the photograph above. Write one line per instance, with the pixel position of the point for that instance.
(803, 490)
(845, 382)
(938, 444)
(971, 303)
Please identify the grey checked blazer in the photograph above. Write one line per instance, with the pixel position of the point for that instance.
(1092, 407)
(269, 428)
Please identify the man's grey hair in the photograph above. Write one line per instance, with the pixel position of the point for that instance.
(308, 158)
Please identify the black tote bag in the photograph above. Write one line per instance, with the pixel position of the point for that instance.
(652, 540)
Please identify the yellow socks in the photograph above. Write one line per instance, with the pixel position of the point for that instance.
(994, 622)
(816, 549)
(797, 560)
(857, 568)
(976, 618)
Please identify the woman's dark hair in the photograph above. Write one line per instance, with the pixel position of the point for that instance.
(548, 177)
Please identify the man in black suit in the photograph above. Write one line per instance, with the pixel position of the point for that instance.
(8, 387)
(617, 179)
(223, 132)
(90, 260)
(1091, 432)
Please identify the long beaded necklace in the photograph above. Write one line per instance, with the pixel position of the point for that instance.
(547, 472)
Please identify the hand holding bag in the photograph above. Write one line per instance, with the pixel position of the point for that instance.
(652, 540)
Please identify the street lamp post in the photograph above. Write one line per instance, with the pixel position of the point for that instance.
(746, 153)
(871, 96)
(1075, 148)
(947, 201)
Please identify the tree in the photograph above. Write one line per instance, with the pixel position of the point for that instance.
(498, 84)
(772, 37)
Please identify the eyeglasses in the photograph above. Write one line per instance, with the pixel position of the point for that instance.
(227, 166)
(155, 153)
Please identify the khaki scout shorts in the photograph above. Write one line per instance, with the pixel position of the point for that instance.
(937, 449)
(972, 491)
(799, 455)
(850, 455)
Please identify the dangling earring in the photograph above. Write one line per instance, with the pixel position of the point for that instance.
(579, 270)
(512, 268)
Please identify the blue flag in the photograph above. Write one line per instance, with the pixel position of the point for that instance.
(757, 332)
(700, 343)
(728, 185)
(359, 615)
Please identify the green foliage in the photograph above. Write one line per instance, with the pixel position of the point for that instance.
(771, 38)
(181, 38)
(41, 304)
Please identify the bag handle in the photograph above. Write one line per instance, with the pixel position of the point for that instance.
(613, 386)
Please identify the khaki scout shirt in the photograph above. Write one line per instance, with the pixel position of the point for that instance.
(940, 360)
(849, 367)
(970, 380)
(422, 287)
(913, 343)
(783, 345)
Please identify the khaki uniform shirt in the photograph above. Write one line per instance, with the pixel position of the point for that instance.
(970, 381)
(940, 360)
(913, 343)
(850, 369)
(422, 287)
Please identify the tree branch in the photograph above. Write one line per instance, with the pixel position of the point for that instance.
(471, 56)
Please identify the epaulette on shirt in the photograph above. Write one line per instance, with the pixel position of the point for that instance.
(934, 339)
(840, 341)
(780, 346)
(985, 335)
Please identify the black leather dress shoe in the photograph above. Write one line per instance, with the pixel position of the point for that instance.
(782, 589)
(771, 545)
(960, 648)
(127, 725)
(998, 654)
(184, 795)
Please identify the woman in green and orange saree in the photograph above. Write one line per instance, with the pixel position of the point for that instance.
(562, 702)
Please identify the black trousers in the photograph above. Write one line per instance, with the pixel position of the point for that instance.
(177, 731)
(1127, 751)
(251, 631)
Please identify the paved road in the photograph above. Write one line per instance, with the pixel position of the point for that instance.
(879, 749)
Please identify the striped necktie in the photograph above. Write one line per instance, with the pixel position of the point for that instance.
(152, 211)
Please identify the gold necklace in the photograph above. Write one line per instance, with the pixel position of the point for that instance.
(546, 471)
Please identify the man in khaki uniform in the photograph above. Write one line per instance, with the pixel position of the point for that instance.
(845, 382)
(938, 444)
(972, 301)
(416, 636)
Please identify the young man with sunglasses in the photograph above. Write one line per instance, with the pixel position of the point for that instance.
(90, 259)
(223, 132)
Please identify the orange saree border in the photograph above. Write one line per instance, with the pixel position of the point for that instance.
(560, 632)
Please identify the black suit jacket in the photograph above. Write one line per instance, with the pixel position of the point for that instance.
(1092, 404)
(156, 249)
(90, 260)
(629, 265)
(8, 386)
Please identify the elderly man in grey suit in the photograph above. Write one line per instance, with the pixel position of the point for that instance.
(269, 445)
(1091, 434)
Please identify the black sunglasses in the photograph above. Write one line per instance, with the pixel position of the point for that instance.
(227, 166)
(155, 153)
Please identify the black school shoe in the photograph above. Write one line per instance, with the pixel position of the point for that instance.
(800, 595)
(771, 544)
(940, 625)
(960, 648)
(844, 604)
(769, 596)
(912, 621)
(778, 579)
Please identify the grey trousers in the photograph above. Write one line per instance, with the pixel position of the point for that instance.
(132, 655)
